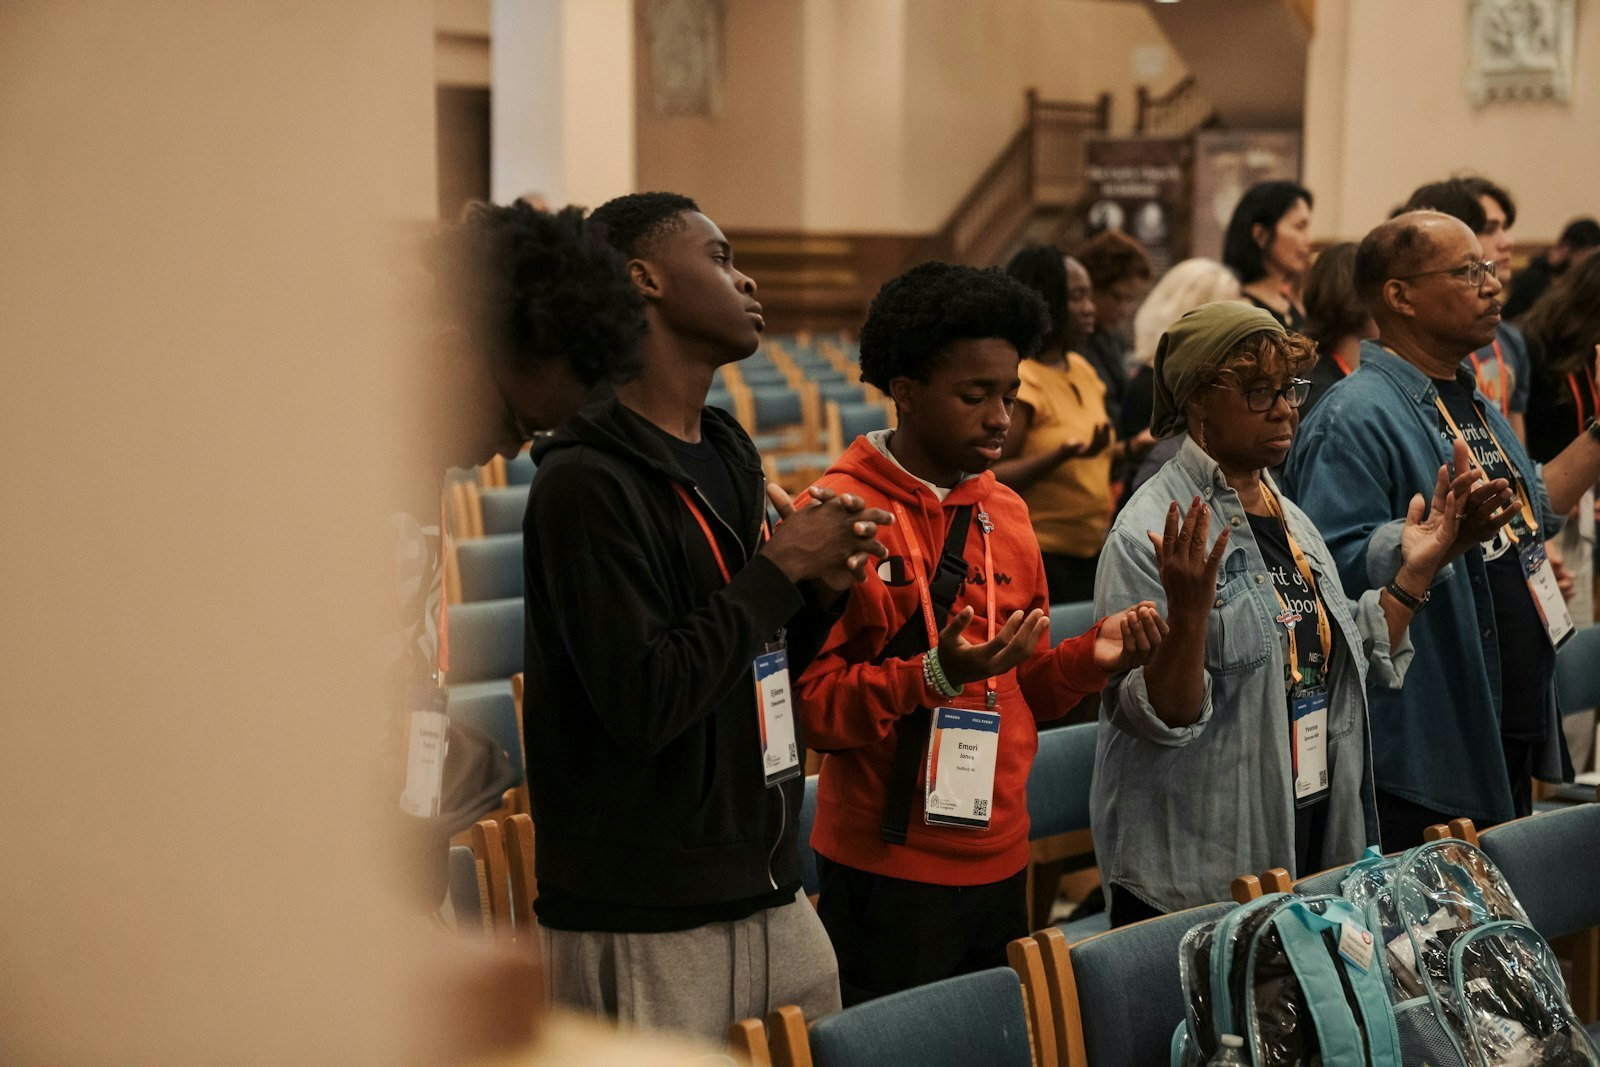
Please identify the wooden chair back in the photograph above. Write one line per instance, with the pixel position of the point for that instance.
(747, 1041)
(488, 847)
(1025, 958)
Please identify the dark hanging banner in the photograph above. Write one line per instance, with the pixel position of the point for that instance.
(1140, 185)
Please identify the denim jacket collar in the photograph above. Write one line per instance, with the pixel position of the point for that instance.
(1415, 384)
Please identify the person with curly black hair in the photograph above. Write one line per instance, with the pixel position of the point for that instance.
(532, 311)
(942, 659)
(666, 785)
(537, 312)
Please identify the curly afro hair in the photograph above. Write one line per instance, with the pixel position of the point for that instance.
(531, 286)
(631, 222)
(916, 316)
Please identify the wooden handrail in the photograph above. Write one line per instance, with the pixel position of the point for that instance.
(1013, 183)
(1154, 110)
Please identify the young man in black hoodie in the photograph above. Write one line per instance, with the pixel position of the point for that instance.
(665, 789)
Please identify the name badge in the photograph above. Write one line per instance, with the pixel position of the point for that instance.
(425, 751)
(962, 749)
(1310, 757)
(1547, 594)
(780, 756)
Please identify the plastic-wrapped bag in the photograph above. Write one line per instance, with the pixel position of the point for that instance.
(1470, 980)
(1296, 977)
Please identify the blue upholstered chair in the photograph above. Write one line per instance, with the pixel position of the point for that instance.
(776, 406)
(720, 398)
(973, 1019)
(503, 508)
(1058, 811)
(1552, 861)
(1325, 882)
(1578, 672)
(758, 375)
(520, 469)
(841, 392)
(1117, 998)
(490, 567)
(808, 859)
(1070, 620)
(465, 894)
(492, 712)
(485, 640)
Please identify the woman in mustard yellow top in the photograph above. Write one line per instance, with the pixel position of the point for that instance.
(1060, 448)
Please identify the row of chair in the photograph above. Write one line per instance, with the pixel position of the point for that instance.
(1113, 1000)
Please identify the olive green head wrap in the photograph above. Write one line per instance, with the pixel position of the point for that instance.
(1192, 349)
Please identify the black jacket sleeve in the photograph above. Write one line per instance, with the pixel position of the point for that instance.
(649, 672)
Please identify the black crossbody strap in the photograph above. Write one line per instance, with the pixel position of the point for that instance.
(911, 733)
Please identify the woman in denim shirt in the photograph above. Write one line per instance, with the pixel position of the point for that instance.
(1242, 745)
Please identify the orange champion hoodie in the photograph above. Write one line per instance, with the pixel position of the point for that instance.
(848, 707)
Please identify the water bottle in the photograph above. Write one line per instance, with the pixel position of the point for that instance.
(1231, 1054)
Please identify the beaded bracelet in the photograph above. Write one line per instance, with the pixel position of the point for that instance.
(933, 675)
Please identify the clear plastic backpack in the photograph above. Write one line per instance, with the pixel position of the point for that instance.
(1471, 982)
(1296, 977)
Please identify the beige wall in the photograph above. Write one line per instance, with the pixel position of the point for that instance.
(1383, 116)
(841, 115)
(198, 420)
(562, 111)
(744, 166)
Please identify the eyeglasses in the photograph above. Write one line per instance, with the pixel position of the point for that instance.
(1263, 398)
(1471, 273)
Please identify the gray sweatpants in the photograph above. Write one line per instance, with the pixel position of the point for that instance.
(702, 980)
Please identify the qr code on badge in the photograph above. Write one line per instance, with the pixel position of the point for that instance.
(793, 756)
(980, 808)
(1324, 779)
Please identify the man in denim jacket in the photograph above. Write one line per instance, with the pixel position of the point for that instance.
(1476, 719)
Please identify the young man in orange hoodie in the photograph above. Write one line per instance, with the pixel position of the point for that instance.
(926, 693)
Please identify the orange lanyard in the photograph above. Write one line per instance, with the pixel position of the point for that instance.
(1324, 630)
(1577, 397)
(1505, 386)
(1344, 368)
(1516, 480)
(919, 572)
(711, 538)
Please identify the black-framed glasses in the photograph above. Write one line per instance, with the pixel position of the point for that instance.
(1471, 273)
(1261, 398)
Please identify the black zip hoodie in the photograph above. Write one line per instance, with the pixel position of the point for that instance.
(639, 706)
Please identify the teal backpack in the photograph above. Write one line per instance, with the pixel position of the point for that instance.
(1297, 977)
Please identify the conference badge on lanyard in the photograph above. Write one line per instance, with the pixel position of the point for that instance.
(426, 747)
(780, 757)
(1309, 757)
(1546, 593)
(962, 747)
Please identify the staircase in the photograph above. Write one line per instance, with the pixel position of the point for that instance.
(1031, 192)
(1035, 181)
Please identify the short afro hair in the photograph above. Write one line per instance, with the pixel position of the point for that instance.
(529, 286)
(1111, 256)
(632, 222)
(915, 317)
(1044, 270)
(1455, 197)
